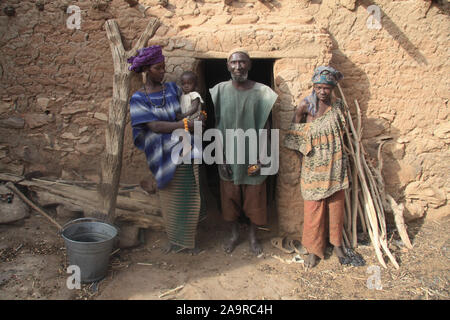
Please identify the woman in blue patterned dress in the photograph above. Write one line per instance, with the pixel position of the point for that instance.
(153, 112)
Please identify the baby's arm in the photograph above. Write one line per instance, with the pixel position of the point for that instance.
(195, 106)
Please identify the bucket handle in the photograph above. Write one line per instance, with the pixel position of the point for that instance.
(85, 219)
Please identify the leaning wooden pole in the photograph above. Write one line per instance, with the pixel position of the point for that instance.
(112, 159)
(12, 187)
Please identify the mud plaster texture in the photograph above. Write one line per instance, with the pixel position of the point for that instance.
(56, 82)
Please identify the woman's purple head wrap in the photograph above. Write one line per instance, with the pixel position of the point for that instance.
(145, 57)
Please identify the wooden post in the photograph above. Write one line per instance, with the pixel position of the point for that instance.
(112, 159)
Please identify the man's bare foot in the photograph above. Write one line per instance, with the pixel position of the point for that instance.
(255, 245)
(195, 251)
(233, 241)
(230, 244)
(169, 247)
(311, 260)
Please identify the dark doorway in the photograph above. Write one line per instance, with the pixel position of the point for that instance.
(210, 73)
(213, 71)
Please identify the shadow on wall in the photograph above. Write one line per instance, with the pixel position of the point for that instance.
(397, 34)
(442, 5)
(271, 4)
(401, 169)
(356, 86)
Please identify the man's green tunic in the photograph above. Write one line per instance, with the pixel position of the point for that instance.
(242, 109)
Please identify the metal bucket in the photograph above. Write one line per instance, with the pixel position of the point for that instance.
(89, 243)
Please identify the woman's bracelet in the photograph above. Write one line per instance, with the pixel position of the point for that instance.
(185, 121)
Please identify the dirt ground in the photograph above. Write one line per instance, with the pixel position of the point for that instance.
(33, 266)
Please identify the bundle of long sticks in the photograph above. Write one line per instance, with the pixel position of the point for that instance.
(367, 198)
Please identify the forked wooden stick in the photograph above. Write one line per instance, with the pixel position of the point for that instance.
(399, 221)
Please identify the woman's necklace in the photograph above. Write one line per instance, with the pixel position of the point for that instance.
(163, 99)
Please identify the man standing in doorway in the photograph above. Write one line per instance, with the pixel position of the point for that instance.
(244, 104)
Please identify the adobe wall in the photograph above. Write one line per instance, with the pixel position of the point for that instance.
(56, 83)
(399, 75)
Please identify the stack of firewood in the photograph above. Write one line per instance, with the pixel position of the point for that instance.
(366, 200)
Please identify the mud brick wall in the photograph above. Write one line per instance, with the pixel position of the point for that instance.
(56, 82)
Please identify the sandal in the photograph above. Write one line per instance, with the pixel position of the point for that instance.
(345, 261)
(355, 259)
(281, 243)
(297, 246)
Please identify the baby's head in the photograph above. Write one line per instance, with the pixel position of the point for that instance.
(188, 81)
